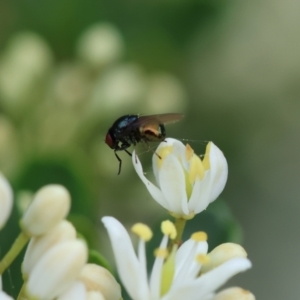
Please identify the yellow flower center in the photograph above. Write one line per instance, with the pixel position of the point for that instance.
(196, 169)
(142, 231)
(163, 152)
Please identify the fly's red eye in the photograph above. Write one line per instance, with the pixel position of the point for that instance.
(109, 141)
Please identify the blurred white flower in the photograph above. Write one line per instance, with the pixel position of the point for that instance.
(165, 93)
(118, 89)
(56, 271)
(6, 200)
(174, 275)
(77, 291)
(186, 184)
(234, 293)
(100, 44)
(26, 59)
(92, 295)
(49, 206)
(70, 85)
(99, 279)
(39, 245)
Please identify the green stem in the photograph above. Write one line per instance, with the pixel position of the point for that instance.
(13, 252)
(179, 225)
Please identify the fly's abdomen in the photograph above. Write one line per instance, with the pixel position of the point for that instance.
(153, 132)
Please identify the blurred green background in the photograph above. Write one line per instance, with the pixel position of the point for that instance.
(68, 69)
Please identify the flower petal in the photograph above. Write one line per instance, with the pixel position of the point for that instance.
(209, 282)
(178, 149)
(186, 265)
(129, 268)
(155, 192)
(201, 194)
(213, 183)
(56, 270)
(219, 169)
(6, 200)
(76, 291)
(172, 184)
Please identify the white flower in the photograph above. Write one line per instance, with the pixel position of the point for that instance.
(186, 184)
(99, 279)
(56, 271)
(100, 44)
(6, 200)
(39, 245)
(50, 205)
(175, 275)
(77, 291)
(26, 60)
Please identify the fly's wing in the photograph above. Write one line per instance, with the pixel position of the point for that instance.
(154, 120)
(159, 119)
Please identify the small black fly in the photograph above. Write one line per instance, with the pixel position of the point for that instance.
(131, 129)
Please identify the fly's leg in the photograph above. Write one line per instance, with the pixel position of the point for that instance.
(124, 147)
(128, 152)
(149, 148)
(120, 162)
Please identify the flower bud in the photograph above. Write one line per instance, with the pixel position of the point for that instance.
(6, 200)
(49, 206)
(234, 293)
(92, 295)
(56, 270)
(97, 278)
(76, 291)
(39, 245)
(222, 253)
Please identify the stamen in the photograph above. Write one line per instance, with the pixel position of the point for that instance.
(199, 236)
(202, 259)
(205, 161)
(142, 231)
(168, 228)
(162, 153)
(161, 252)
(189, 152)
(196, 168)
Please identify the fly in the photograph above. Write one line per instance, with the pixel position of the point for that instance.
(131, 129)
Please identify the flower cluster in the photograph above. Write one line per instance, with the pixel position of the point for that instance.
(186, 184)
(187, 272)
(55, 263)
